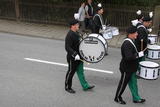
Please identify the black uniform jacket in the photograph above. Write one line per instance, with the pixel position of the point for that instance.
(72, 44)
(142, 34)
(97, 25)
(129, 62)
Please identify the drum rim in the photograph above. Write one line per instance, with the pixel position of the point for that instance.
(153, 58)
(103, 46)
(147, 79)
(149, 47)
(149, 67)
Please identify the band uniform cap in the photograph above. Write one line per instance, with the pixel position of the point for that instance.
(73, 22)
(99, 7)
(131, 30)
(147, 18)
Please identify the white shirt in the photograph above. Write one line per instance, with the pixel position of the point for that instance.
(81, 13)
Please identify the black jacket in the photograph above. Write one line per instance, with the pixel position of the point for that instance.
(97, 25)
(142, 34)
(72, 44)
(129, 62)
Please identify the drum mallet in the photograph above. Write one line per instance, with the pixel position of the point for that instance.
(141, 44)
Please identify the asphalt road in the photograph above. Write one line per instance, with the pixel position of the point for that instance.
(26, 83)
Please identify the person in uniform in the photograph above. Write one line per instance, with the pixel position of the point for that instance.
(142, 39)
(129, 63)
(98, 21)
(72, 41)
(133, 81)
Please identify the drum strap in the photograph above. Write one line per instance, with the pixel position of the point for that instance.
(131, 43)
(100, 17)
(142, 27)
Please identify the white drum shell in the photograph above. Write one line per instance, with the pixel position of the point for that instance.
(150, 73)
(107, 34)
(115, 31)
(153, 52)
(153, 38)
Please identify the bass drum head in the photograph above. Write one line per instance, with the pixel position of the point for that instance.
(92, 49)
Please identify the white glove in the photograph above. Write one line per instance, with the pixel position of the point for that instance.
(104, 27)
(77, 57)
(150, 29)
(141, 53)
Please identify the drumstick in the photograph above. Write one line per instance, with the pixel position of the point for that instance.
(141, 44)
(145, 49)
(84, 61)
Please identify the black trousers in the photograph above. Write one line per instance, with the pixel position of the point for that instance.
(125, 77)
(72, 67)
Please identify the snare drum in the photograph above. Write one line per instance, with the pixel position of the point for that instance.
(153, 52)
(153, 38)
(93, 48)
(107, 33)
(115, 31)
(149, 70)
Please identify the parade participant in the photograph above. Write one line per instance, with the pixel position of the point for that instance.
(89, 14)
(74, 62)
(98, 21)
(133, 81)
(142, 39)
(129, 63)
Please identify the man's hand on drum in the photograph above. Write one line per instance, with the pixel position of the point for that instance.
(140, 54)
(77, 57)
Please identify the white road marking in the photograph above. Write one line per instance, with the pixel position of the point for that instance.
(61, 64)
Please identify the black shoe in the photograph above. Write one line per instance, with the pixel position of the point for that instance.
(140, 101)
(70, 90)
(89, 88)
(120, 101)
(106, 54)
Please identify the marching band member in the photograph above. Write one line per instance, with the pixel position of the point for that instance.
(98, 21)
(72, 41)
(129, 63)
(133, 86)
(142, 39)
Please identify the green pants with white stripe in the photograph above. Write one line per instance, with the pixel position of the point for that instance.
(133, 83)
(134, 87)
(80, 74)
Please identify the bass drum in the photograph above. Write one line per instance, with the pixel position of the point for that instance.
(93, 48)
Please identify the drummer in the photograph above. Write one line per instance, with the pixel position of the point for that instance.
(98, 20)
(74, 62)
(129, 64)
(142, 39)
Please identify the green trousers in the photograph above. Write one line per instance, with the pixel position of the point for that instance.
(134, 87)
(80, 74)
(133, 83)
